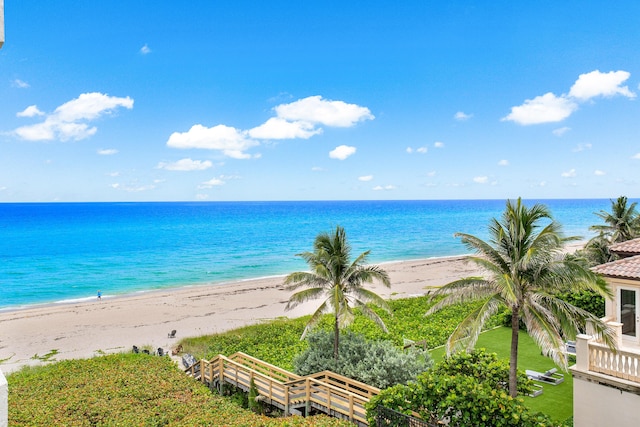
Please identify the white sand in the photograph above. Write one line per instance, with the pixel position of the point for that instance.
(115, 324)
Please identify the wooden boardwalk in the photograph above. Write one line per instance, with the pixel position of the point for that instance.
(325, 391)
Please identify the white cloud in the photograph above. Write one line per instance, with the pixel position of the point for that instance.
(550, 108)
(214, 182)
(316, 110)
(230, 141)
(598, 172)
(561, 131)
(481, 179)
(145, 49)
(63, 122)
(461, 116)
(438, 144)
(431, 173)
(132, 188)
(113, 174)
(298, 119)
(595, 83)
(90, 106)
(637, 156)
(341, 152)
(503, 162)
(365, 178)
(317, 169)
(568, 174)
(20, 84)
(279, 128)
(107, 151)
(421, 150)
(542, 109)
(384, 188)
(30, 111)
(582, 147)
(186, 165)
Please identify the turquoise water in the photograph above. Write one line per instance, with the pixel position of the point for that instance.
(54, 252)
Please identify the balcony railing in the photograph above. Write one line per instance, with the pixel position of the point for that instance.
(620, 364)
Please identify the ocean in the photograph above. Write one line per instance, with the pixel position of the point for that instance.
(65, 252)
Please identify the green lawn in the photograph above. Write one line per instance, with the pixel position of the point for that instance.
(555, 401)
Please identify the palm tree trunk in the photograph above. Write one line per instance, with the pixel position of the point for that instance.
(336, 339)
(513, 358)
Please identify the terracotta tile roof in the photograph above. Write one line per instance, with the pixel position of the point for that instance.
(628, 247)
(626, 268)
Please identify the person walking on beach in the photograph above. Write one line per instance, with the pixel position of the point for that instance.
(99, 295)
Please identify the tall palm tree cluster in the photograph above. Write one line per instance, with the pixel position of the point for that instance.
(620, 225)
(525, 268)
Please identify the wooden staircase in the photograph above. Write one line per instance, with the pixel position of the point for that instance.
(325, 391)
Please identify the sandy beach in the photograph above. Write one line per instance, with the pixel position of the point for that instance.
(116, 324)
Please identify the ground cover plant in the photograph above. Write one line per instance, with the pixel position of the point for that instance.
(278, 342)
(128, 389)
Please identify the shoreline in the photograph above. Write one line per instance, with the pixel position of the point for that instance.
(178, 288)
(90, 328)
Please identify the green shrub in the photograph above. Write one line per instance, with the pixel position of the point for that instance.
(377, 363)
(587, 300)
(468, 389)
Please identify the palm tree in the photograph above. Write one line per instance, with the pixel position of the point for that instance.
(339, 281)
(525, 266)
(596, 251)
(622, 223)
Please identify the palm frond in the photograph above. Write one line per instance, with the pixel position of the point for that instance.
(372, 315)
(465, 335)
(303, 296)
(462, 291)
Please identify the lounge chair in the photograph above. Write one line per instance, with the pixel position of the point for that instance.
(552, 376)
(570, 347)
(160, 351)
(145, 351)
(537, 390)
(171, 334)
(136, 349)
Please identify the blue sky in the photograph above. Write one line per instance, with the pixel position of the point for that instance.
(316, 100)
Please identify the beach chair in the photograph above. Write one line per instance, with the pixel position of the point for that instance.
(135, 349)
(145, 351)
(552, 376)
(189, 361)
(160, 351)
(171, 334)
(176, 350)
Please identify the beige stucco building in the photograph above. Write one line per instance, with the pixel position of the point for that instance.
(606, 384)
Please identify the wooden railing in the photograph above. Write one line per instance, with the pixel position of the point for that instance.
(325, 391)
(620, 364)
(346, 383)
